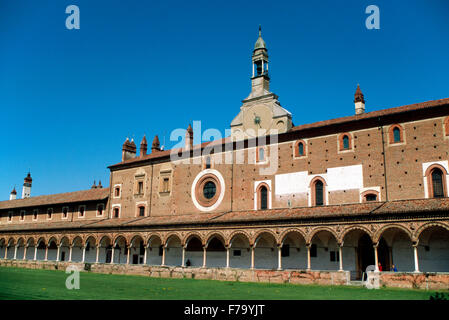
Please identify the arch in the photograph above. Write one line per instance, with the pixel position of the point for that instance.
(350, 229)
(41, 240)
(426, 226)
(64, 240)
(30, 241)
(382, 230)
(366, 193)
(191, 235)
(260, 234)
(321, 229)
(105, 237)
(53, 239)
(215, 234)
(89, 238)
(77, 239)
(152, 237)
(238, 233)
(433, 166)
(170, 237)
(132, 242)
(284, 235)
(21, 241)
(391, 133)
(118, 238)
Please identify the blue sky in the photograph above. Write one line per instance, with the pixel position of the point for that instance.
(69, 98)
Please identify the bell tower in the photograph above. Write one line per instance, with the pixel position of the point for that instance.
(261, 113)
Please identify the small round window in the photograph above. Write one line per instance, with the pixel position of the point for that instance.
(209, 190)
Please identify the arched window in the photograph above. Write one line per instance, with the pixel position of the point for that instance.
(319, 193)
(396, 135)
(263, 193)
(371, 197)
(437, 183)
(345, 142)
(300, 149)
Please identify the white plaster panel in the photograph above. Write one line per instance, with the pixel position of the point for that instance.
(344, 178)
(289, 183)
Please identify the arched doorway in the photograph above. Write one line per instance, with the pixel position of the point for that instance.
(365, 254)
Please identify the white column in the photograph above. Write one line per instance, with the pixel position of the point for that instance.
(340, 254)
(163, 256)
(112, 255)
(145, 255)
(253, 69)
(15, 251)
(308, 257)
(183, 256)
(376, 259)
(35, 252)
(127, 256)
(25, 252)
(227, 256)
(204, 256)
(415, 251)
(252, 257)
(70, 253)
(57, 253)
(262, 68)
(46, 253)
(98, 253)
(280, 257)
(6, 252)
(84, 253)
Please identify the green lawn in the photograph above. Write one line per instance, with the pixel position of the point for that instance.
(17, 283)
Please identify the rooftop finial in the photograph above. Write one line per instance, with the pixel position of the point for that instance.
(260, 30)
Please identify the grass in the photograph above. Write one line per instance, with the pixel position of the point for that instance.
(18, 283)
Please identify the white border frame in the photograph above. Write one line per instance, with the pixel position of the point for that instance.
(222, 190)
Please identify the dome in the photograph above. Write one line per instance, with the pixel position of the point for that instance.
(260, 43)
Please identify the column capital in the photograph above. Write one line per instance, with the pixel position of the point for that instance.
(415, 243)
(375, 245)
(341, 244)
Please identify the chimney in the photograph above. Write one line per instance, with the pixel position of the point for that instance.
(26, 190)
(13, 194)
(99, 184)
(143, 147)
(128, 150)
(359, 101)
(156, 145)
(189, 138)
(94, 186)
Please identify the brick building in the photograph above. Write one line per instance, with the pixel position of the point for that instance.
(370, 188)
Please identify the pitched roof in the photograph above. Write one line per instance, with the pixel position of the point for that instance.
(68, 197)
(399, 207)
(347, 119)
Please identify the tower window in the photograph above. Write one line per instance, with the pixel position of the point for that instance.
(166, 185)
(141, 211)
(49, 213)
(117, 192)
(116, 212)
(100, 209)
(371, 197)
(64, 212)
(82, 210)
